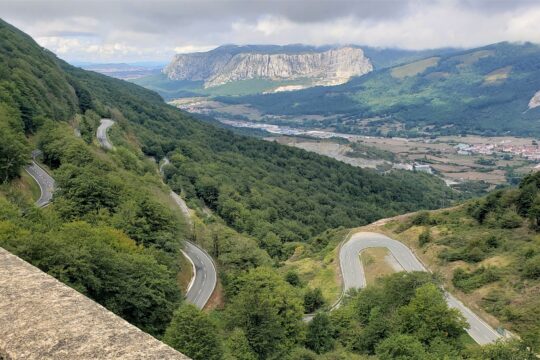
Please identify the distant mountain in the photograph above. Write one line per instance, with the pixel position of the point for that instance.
(124, 71)
(488, 91)
(312, 66)
(232, 70)
(387, 57)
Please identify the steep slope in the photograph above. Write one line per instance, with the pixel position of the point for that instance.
(487, 251)
(111, 232)
(481, 91)
(33, 84)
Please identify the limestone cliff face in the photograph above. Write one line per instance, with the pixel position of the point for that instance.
(330, 67)
(535, 101)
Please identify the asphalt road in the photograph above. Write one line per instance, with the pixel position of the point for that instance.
(164, 163)
(45, 182)
(204, 279)
(102, 133)
(354, 276)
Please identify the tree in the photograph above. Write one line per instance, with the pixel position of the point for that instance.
(149, 223)
(504, 350)
(293, 278)
(424, 237)
(238, 346)
(534, 212)
(427, 316)
(313, 300)
(85, 189)
(14, 152)
(401, 347)
(375, 331)
(104, 264)
(192, 333)
(320, 334)
(268, 310)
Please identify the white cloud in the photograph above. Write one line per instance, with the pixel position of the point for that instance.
(185, 49)
(58, 44)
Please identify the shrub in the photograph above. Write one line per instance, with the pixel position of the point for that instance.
(469, 281)
(422, 218)
(313, 300)
(531, 268)
(424, 237)
(510, 220)
(293, 278)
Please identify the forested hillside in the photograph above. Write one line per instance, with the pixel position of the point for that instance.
(112, 234)
(259, 188)
(488, 252)
(481, 91)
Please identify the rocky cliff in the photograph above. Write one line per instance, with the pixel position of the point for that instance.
(314, 66)
(535, 101)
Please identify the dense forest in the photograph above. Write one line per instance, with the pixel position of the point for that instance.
(482, 91)
(112, 233)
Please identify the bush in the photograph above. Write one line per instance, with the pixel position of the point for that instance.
(422, 218)
(469, 281)
(424, 237)
(531, 268)
(293, 278)
(313, 300)
(510, 220)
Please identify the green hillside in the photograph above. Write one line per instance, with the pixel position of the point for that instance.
(112, 233)
(487, 251)
(480, 91)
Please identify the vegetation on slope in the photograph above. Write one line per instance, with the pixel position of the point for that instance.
(481, 91)
(488, 252)
(106, 235)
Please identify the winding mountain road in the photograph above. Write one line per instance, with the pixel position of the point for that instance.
(354, 276)
(44, 180)
(102, 133)
(204, 278)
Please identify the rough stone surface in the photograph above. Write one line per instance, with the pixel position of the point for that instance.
(330, 67)
(41, 318)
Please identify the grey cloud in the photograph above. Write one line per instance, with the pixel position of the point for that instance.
(158, 26)
(495, 6)
(168, 11)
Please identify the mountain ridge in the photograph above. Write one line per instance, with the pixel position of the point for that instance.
(319, 66)
(483, 91)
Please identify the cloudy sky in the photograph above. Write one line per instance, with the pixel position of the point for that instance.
(138, 30)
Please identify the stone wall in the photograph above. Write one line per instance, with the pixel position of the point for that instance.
(41, 318)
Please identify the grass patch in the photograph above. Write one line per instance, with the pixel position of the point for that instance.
(375, 263)
(317, 263)
(321, 274)
(186, 273)
(28, 186)
(414, 68)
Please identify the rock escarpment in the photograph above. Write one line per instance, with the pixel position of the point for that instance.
(535, 101)
(312, 66)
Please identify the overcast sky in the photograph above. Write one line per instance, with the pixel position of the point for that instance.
(137, 30)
